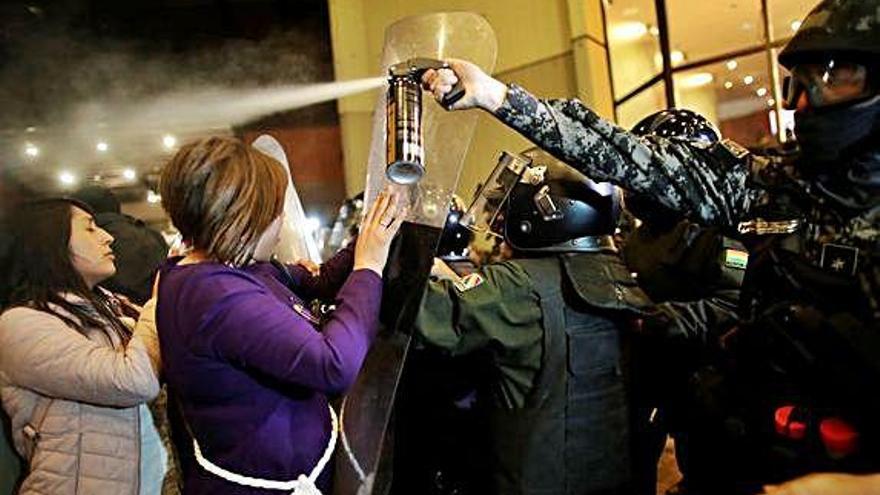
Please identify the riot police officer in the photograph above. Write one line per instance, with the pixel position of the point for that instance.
(547, 324)
(688, 269)
(800, 393)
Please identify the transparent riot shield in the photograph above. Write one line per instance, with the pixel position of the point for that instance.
(297, 242)
(447, 135)
(363, 466)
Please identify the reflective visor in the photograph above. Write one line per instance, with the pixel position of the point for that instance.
(827, 84)
(485, 207)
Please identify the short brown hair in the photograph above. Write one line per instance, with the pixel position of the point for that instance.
(222, 194)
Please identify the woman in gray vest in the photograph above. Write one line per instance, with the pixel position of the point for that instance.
(549, 324)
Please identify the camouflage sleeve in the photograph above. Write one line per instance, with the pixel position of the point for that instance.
(693, 181)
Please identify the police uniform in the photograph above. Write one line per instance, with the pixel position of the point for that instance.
(556, 400)
(548, 325)
(689, 268)
(809, 355)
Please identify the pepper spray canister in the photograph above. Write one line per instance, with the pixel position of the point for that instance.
(405, 157)
(404, 153)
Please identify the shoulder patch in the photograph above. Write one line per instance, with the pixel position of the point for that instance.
(735, 258)
(469, 282)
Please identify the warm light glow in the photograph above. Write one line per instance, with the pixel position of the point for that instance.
(629, 31)
(761, 92)
(728, 85)
(66, 178)
(771, 102)
(153, 198)
(654, 30)
(102, 146)
(697, 80)
(169, 141)
(313, 224)
(748, 80)
(732, 64)
(676, 56)
(795, 25)
(31, 150)
(129, 174)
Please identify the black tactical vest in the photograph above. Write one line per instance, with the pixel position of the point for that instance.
(810, 302)
(572, 436)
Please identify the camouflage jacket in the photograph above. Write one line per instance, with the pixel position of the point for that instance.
(828, 229)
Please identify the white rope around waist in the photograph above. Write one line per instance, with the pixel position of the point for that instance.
(302, 485)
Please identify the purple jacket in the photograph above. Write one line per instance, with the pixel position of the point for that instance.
(253, 374)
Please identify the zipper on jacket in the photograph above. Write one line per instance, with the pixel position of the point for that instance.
(79, 437)
(139, 443)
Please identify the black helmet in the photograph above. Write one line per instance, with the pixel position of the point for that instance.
(456, 237)
(556, 208)
(678, 123)
(673, 124)
(848, 28)
(833, 60)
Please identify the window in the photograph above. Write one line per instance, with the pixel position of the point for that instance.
(719, 61)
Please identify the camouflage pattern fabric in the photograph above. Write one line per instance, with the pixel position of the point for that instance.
(679, 176)
(724, 185)
(851, 26)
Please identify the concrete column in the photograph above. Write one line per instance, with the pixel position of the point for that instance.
(351, 60)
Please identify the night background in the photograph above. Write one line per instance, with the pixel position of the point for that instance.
(71, 69)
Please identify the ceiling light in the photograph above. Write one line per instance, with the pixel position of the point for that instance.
(728, 85)
(102, 146)
(795, 25)
(771, 102)
(654, 31)
(628, 31)
(31, 150)
(676, 56)
(761, 92)
(169, 141)
(732, 64)
(30, 129)
(129, 174)
(748, 80)
(66, 178)
(697, 80)
(152, 197)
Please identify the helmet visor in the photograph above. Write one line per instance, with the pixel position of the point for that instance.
(487, 204)
(826, 84)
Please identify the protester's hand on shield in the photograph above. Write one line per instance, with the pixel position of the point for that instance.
(378, 229)
(481, 89)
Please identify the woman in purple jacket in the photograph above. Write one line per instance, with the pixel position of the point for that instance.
(250, 367)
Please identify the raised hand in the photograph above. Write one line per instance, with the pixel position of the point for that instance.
(481, 89)
(378, 229)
